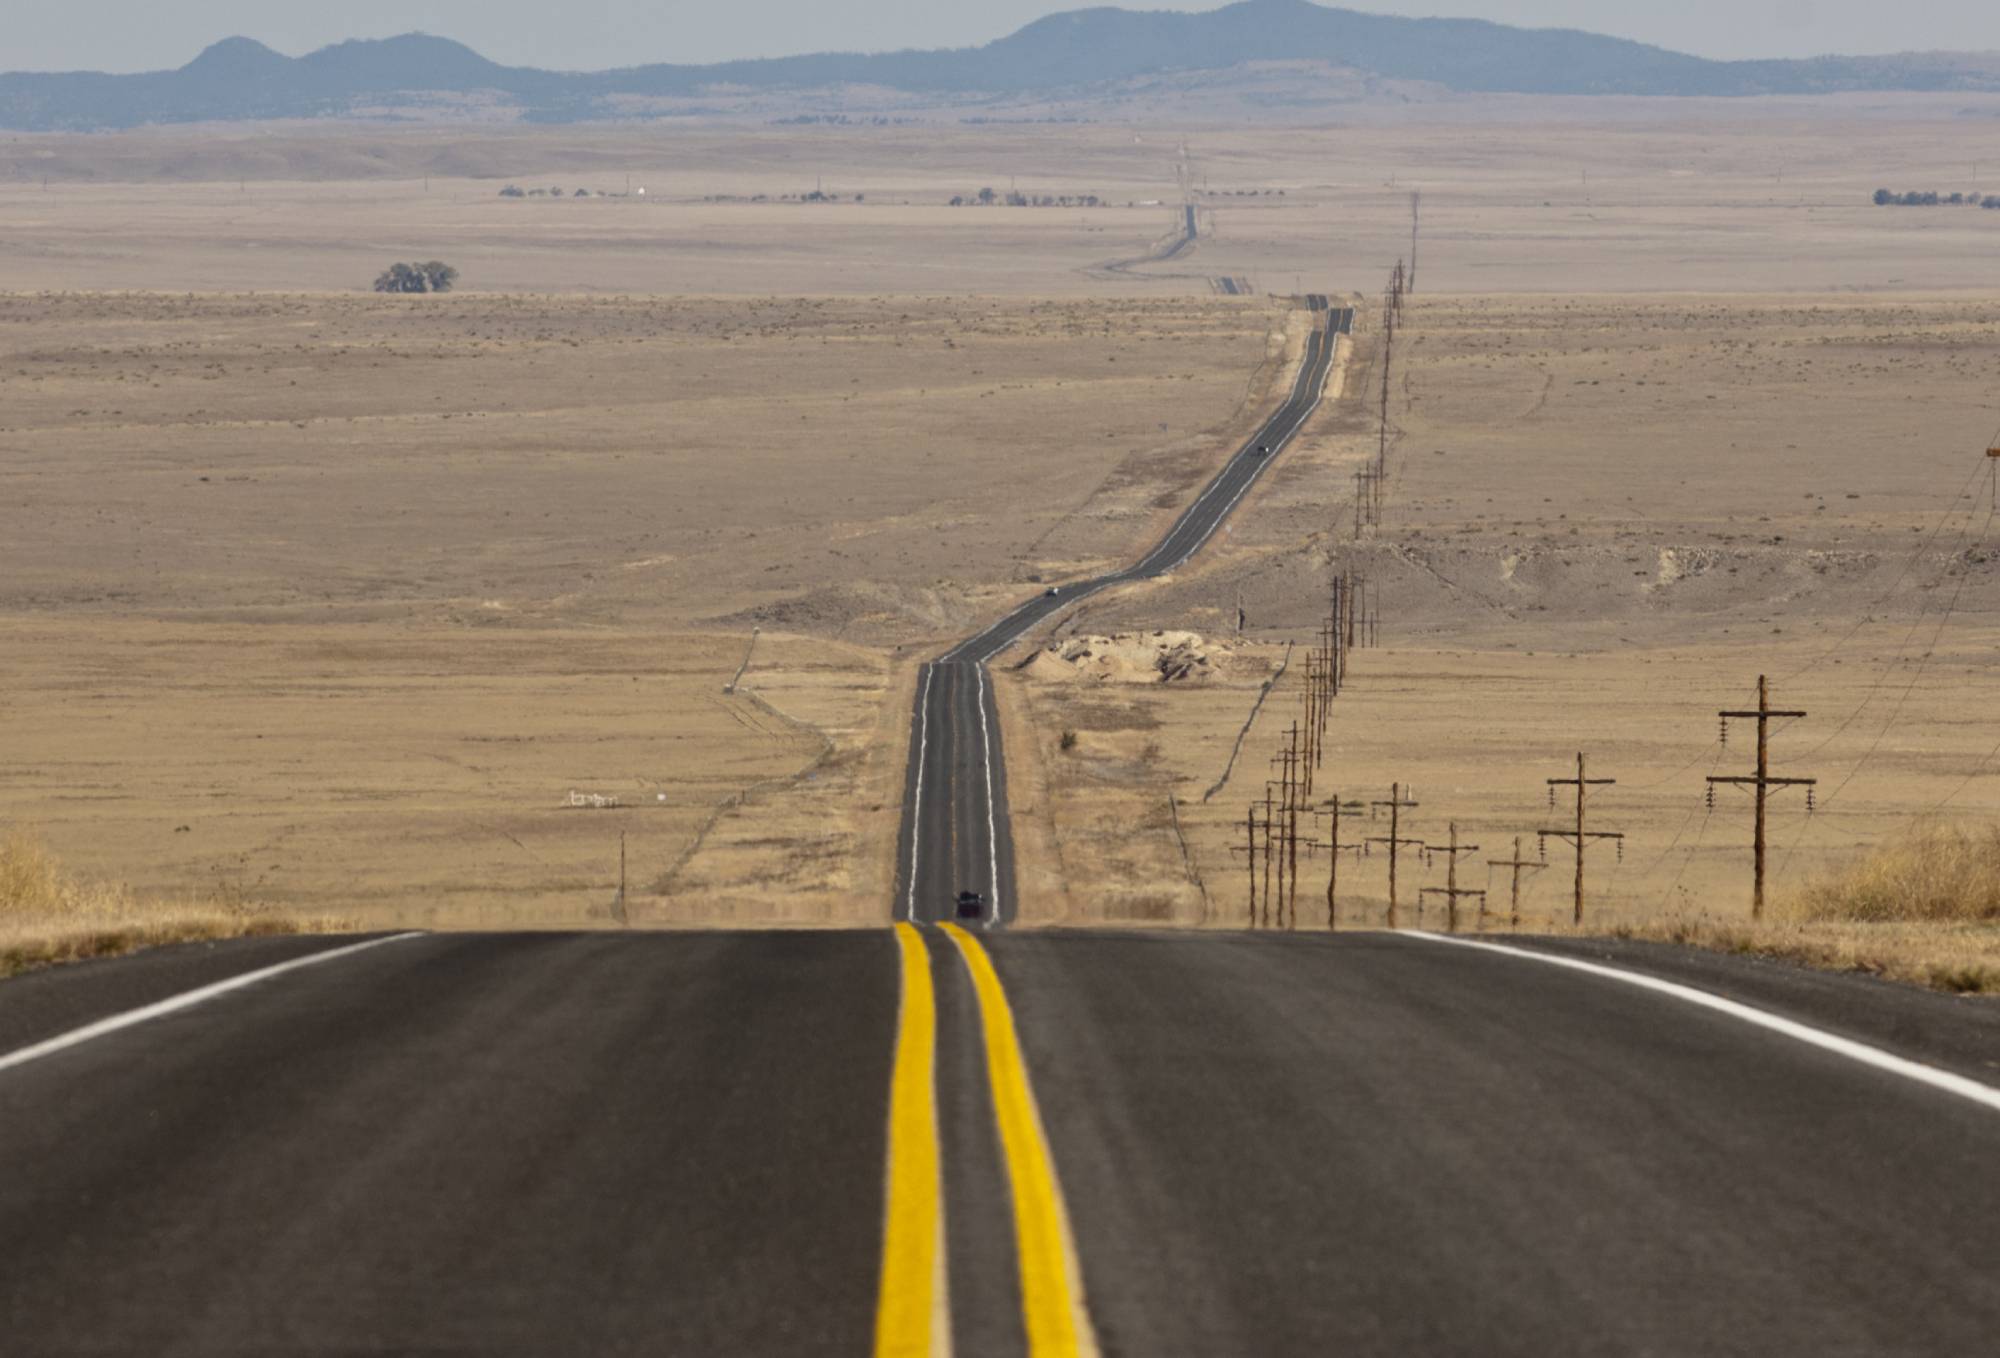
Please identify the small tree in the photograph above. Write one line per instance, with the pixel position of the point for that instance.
(433, 276)
(986, 197)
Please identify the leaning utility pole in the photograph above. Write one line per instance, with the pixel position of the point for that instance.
(1451, 890)
(1761, 780)
(1397, 804)
(1519, 866)
(1579, 834)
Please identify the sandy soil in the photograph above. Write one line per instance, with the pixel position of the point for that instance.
(357, 590)
(1547, 196)
(1675, 406)
(1607, 517)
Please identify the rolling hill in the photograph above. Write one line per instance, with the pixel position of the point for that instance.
(240, 79)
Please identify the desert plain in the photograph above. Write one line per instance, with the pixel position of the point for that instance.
(338, 603)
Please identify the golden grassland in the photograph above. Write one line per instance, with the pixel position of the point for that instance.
(356, 589)
(1922, 906)
(49, 915)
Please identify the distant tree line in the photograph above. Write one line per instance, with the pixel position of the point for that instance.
(433, 276)
(1932, 198)
(989, 197)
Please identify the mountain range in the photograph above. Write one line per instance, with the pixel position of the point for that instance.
(240, 79)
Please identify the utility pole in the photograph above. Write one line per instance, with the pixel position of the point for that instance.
(1396, 804)
(1311, 697)
(1276, 841)
(1519, 866)
(1268, 855)
(1451, 890)
(1416, 204)
(1291, 899)
(620, 912)
(1249, 852)
(1761, 780)
(1581, 836)
(1334, 849)
(1388, 352)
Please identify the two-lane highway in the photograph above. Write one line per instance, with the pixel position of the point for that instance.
(1050, 1143)
(954, 834)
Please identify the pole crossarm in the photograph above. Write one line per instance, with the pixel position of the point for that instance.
(1451, 891)
(1762, 781)
(1516, 865)
(1578, 837)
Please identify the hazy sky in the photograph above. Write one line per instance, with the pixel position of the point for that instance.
(130, 35)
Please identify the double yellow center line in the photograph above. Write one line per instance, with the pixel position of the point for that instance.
(913, 1312)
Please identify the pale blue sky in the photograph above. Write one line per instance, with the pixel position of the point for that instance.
(129, 35)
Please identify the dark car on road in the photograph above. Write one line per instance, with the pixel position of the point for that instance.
(971, 905)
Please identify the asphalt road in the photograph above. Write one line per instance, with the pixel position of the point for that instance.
(1052, 1143)
(546, 1144)
(954, 835)
(1267, 1145)
(1372, 1144)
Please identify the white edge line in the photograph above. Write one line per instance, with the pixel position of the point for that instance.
(1319, 395)
(76, 1037)
(1215, 485)
(992, 833)
(917, 807)
(1966, 1088)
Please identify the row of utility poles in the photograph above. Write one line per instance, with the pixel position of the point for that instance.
(1274, 838)
(1370, 481)
(1271, 825)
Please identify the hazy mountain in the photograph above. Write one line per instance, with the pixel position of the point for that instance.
(242, 79)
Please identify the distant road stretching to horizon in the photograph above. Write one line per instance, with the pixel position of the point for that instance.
(931, 1139)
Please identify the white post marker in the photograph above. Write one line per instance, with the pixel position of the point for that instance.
(1963, 1086)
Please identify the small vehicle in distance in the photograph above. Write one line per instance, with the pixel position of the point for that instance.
(971, 905)
(1263, 450)
(1053, 590)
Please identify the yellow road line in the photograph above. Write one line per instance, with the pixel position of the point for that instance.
(1051, 1283)
(910, 1314)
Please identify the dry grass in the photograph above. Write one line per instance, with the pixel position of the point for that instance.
(1922, 906)
(1933, 872)
(49, 915)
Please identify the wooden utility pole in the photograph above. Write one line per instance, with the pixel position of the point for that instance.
(1388, 351)
(1250, 858)
(1581, 836)
(1312, 699)
(1451, 891)
(621, 878)
(1269, 844)
(1334, 849)
(1761, 781)
(1519, 865)
(1416, 205)
(1292, 827)
(1397, 804)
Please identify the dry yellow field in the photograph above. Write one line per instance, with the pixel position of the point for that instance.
(331, 602)
(359, 589)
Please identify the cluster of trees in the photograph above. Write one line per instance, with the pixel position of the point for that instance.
(1932, 198)
(988, 197)
(432, 276)
(516, 191)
